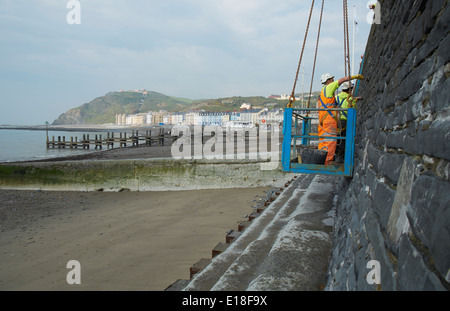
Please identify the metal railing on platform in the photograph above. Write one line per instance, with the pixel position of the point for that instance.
(296, 117)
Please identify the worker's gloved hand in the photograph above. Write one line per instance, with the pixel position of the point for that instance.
(359, 77)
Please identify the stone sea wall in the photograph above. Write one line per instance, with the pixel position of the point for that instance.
(392, 229)
(141, 175)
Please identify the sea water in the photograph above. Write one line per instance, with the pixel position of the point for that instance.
(26, 145)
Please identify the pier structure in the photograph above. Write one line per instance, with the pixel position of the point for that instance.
(100, 141)
(150, 138)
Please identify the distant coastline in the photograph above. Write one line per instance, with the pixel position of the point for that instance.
(77, 128)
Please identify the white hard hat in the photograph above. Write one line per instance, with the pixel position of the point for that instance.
(326, 77)
(345, 85)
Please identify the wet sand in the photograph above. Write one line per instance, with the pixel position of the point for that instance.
(123, 241)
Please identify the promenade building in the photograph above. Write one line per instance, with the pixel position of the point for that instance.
(200, 117)
(273, 116)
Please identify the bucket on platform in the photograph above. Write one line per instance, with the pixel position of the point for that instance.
(311, 155)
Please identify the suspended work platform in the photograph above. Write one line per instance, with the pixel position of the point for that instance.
(298, 137)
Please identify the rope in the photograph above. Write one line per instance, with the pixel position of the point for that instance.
(347, 45)
(346, 51)
(315, 56)
(345, 41)
(292, 99)
(346, 57)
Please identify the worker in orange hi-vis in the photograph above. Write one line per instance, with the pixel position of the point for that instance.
(328, 120)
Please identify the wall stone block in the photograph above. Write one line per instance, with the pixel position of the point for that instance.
(396, 209)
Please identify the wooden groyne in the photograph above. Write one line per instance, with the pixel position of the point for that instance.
(111, 139)
(134, 139)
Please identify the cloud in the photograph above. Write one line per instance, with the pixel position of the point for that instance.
(185, 48)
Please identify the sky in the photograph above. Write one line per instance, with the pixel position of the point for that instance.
(59, 54)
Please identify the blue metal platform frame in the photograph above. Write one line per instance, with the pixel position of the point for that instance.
(290, 143)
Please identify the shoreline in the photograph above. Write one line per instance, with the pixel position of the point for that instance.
(124, 241)
(135, 152)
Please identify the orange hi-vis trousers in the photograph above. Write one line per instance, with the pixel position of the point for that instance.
(327, 127)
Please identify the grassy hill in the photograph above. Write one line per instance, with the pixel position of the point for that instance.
(104, 109)
(234, 103)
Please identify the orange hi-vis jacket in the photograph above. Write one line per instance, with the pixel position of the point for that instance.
(328, 125)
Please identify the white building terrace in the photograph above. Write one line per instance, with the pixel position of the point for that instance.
(249, 117)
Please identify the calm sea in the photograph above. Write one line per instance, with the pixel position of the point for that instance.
(24, 145)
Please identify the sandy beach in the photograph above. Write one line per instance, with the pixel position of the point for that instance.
(123, 241)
